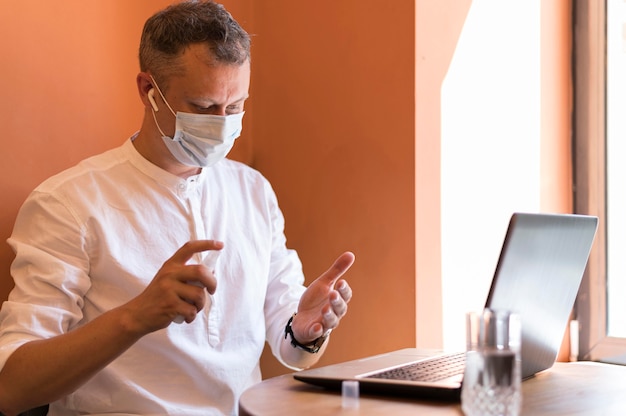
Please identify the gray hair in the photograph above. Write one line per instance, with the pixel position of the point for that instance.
(167, 33)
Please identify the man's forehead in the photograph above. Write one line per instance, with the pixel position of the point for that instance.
(201, 74)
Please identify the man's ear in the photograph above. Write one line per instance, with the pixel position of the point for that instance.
(146, 90)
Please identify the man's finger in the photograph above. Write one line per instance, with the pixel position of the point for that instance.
(344, 290)
(186, 252)
(339, 267)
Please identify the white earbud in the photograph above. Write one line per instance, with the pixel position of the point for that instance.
(151, 99)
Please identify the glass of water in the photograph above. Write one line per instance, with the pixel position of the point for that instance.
(492, 380)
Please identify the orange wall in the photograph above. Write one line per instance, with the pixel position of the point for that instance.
(556, 106)
(334, 132)
(341, 93)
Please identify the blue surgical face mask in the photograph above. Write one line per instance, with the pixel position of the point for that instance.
(200, 140)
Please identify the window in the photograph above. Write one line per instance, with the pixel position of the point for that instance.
(600, 103)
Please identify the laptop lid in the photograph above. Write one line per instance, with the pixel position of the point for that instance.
(538, 274)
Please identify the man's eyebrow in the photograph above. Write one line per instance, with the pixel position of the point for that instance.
(213, 102)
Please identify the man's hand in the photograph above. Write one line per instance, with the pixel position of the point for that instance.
(46, 370)
(324, 302)
(178, 289)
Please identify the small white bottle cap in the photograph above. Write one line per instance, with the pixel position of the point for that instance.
(350, 394)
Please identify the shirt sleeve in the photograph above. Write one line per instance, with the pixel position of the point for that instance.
(285, 283)
(49, 271)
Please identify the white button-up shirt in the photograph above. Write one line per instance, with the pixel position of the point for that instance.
(93, 237)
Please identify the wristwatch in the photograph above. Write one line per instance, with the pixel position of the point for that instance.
(312, 347)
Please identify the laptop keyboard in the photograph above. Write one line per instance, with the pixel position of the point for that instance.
(434, 369)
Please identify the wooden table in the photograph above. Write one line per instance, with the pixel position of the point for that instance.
(582, 388)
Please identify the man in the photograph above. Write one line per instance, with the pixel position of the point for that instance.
(120, 305)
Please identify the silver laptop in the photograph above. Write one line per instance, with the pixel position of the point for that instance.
(541, 265)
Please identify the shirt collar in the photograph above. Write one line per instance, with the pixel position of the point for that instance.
(160, 175)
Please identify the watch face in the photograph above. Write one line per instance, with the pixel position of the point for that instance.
(320, 341)
(317, 344)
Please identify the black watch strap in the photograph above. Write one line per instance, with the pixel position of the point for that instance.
(312, 347)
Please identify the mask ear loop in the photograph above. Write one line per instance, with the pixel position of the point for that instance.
(154, 105)
(157, 124)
